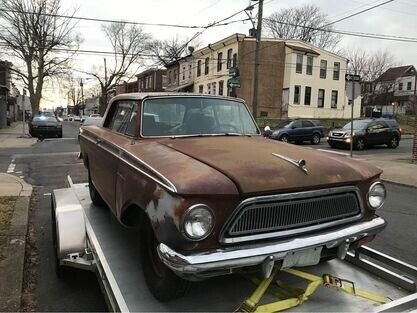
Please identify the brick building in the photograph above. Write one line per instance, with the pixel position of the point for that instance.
(152, 80)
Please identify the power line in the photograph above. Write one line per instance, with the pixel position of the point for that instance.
(103, 20)
(357, 13)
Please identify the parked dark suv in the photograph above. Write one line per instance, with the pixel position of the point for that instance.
(299, 131)
(367, 132)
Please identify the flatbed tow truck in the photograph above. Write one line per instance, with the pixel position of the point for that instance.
(90, 238)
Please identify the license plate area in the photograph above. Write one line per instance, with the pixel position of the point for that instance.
(301, 258)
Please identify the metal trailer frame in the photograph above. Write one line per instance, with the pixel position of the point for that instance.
(78, 243)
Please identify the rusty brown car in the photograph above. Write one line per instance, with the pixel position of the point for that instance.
(211, 196)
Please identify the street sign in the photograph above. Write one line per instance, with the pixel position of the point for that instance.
(352, 78)
(234, 82)
(234, 72)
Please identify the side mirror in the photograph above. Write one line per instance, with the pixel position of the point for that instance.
(367, 130)
(293, 127)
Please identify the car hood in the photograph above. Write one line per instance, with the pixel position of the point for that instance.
(346, 130)
(251, 164)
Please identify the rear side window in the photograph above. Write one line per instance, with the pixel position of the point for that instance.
(120, 116)
(307, 124)
(316, 123)
(393, 123)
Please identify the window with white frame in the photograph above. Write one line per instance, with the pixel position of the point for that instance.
(334, 99)
(336, 71)
(309, 66)
(297, 91)
(299, 64)
(323, 68)
(320, 98)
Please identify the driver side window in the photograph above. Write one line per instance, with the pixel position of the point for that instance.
(120, 116)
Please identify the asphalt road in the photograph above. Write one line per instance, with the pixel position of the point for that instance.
(46, 165)
(405, 146)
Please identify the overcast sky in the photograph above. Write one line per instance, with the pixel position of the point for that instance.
(395, 18)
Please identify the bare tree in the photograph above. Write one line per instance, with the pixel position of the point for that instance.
(306, 23)
(173, 49)
(369, 65)
(39, 39)
(129, 42)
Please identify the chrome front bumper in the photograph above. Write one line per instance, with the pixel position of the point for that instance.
(225, 260)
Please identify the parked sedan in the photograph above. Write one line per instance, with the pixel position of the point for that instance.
(212, 197)
(43, 126)
(299, 131)
(367, 132)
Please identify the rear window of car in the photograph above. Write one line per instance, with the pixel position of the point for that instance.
(45, 118)
(316, 122)
(392, 123)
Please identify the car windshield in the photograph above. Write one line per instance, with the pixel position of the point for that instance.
(196, 116)
(356, 125)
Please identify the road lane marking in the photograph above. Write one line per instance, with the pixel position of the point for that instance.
(335, 152)
(11, 167)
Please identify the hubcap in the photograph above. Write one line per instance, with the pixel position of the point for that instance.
(316, 139)
(360, 144)
(284, 139)
(394, 142)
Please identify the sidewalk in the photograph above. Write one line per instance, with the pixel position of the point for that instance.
(13, 230)
(397, 168)
(9, 137)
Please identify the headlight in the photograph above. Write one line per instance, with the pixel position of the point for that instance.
(198, 222)
(376, 195)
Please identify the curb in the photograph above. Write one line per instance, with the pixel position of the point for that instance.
(398, 184)
(13, 265)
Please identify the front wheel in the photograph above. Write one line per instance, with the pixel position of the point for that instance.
(360, 144)
(284, 138)
(161, 281)
(315, 140)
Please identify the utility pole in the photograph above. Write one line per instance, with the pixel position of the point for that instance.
(256, 69)
(103, 92)
(23, 114)
(351, 119)
(82, 95)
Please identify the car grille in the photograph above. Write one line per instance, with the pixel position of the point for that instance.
(292, 214)
(335, 134)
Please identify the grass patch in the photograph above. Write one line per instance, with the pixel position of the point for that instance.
(6, 213)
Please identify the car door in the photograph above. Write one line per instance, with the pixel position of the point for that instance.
(296, 131)
(105, 162)
(376, 133)
(307, 130)
(124, 169)
(385, 133)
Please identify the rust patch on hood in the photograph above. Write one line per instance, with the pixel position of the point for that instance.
(250, 164)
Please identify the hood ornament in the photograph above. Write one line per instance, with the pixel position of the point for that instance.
(301, 164)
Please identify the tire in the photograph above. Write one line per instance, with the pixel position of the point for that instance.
(284, 138)
(315, 140)
(360, 144)
(94, 194)
(394, 142)
(161, 281)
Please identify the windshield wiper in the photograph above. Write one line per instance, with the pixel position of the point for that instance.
(209, 135)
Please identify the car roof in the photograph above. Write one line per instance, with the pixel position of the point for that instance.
(143, 95)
